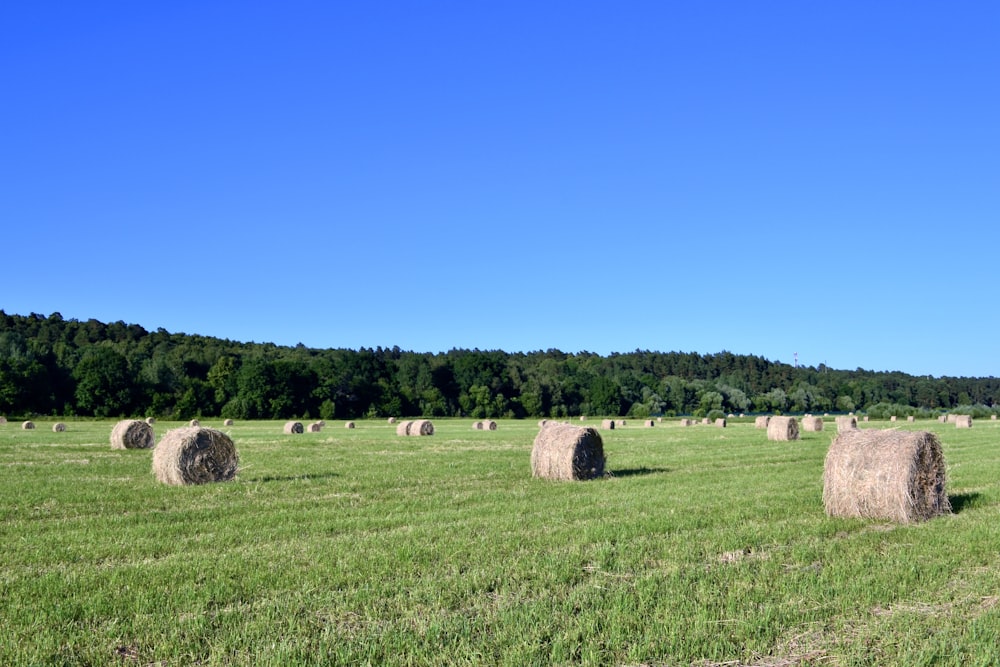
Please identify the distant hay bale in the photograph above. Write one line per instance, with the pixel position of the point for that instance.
(293, 427)
(477, 426)
(704, 420)
(58, 427)
(892, 418)
(608, 424)
(865, 418)
(227, 422)
(402, 428)
(720, 422)
(315, 427)
(194, 455)
(761, 422)
(194, 422)
(583, 418)
(730, 416)
(565, 452)
(993, 417)
(621, 422)
(489, 425)
(28, 425)
(846, 423)
(132, 434)
(782, 428)
(687, 422)
(542, 422)
(943, 419)
(885, 474)
(659, 419)
(3, 420)
(952, 419)
(421, 427)
(349, 425)
(911, 418)
(812, 423)
(963, 421)
(150, 420)
(392, 420)
(649, 423)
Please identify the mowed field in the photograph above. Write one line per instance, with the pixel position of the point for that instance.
(704, 546)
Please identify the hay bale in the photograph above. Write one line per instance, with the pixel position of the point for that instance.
(782, 428)
(150, 420)
(993, 417)
(812, 423)
(865, 418)
(720, 422)
(392, 420)
(687, 422)
(477, 426)
(583, 418)
(315, 427)
(730, 416)
(952, 419)
(421, 427)
(892, 418)
(349, 425)
(3, 420)
(542, 422)
(963, 421)
(403, 428)
(649, 423)
(565, 452)
(885, 474)
(608, 424)
(659, 420)
(846, 423)
(58, 427)
(132, 434)
(293, 427)
(942, 419)
(194, 455)
(194, 422)
(28, 425)
(489, 425)
(620, 422)
(227, 422)
(761, 422)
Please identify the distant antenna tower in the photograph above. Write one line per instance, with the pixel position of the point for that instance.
(796, 355)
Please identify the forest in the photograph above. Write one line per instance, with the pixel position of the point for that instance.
(55, 366)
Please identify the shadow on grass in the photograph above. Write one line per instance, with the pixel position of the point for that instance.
(292, 478)
(963, 501)
(631, 472)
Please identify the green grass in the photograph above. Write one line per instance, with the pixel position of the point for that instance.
(707, 546)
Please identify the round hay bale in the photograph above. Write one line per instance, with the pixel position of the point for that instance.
(782, 428)
(942, 419)
(812, 424)
(687, 422)
(649, 423)
(392, 420)
(583, 418)
(477, 426)
(194, 455)
(3, 420)
(132, 434)
(27, 425)
(846, 423)
(704, 420)
(150, 420)
(421, 427)
(293, 427)
(963, 421)
(315, 427)
(730, 416)
(993, 417)
(911, 418)
(720, 422)
(349, 425)
(608, 424)
(761, 421)
(58, 427)
(489, 425)
(565, 452)
(403, 428)
(659, 420)
(621, 422)
(865, 418)
(227, 422)
(194, 422)
(885, 474)
(892, 418)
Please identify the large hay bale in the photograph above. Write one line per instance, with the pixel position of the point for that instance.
(58, 427)
(315, 427)
(194, 455)
(227, 422)
(27, 425)
(720, 422)
(761, 421)
(403, 428)
(782, 428)
(608, 424)
(293, 427)
(812, 423)
(845, 423)
(349, 425)
(489, 425)
(132, 434)
(565, 452)
(421, 427)
(963, 421)
(885, 474)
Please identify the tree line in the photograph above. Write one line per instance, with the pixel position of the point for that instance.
(55, 366)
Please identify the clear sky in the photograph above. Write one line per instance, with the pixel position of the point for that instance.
(759, 177)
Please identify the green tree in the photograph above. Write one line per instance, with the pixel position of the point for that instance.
(103, 383)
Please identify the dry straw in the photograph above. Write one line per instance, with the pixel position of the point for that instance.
(421, 427)
(704, 420)
(885, 474)
(720, 422)
(761, 421)
(315, 427)
(846, 423)
(194, 455)
(228, 422)
(608, 424)
(403, 428)
(911, 418)
(489, 425)
(812, 423)
(58, 427)
(565, 452)
(132, 434)
(28, 425)
(963, 421)
(782, 428)
(943, 419)
(3, 420)
(392, 420)
(477, 426)
(349, 425)
(952, 419)
(293, 427)
(649, 423)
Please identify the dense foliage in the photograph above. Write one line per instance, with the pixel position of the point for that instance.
(51, 365)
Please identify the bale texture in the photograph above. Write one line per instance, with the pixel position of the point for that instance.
(720, 422)
(403, 428)
(132, 434)
(58, 427)
(28, 425)
(194, 455)
(489, 425)
(761, 421)
(349, 425)
(392, 420)
(565, 452)
(293, 427)
(782, 428)
(963, 421)
(812, 424)
(477, 426)
(194, 422)
(845, 423)
(608, 424)
(885, 474)
(315, 427)
(951, 419)
(421, 427)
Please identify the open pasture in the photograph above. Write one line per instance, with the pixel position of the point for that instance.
(704, 546)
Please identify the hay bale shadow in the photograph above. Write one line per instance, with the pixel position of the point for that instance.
(632, 472)
(292, 478)
(963, 501)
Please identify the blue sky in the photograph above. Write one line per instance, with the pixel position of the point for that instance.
(764, 178)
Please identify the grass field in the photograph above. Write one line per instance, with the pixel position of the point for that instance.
(706, 546)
